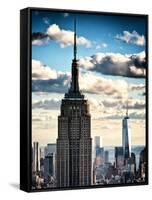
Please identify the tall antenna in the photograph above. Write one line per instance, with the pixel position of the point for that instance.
(75, 42)
(127, 108)
(127, 102)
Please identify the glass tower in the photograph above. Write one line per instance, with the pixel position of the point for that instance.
(126, 138)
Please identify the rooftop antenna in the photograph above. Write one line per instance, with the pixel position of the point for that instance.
(127, 104)
(75, 42)
(127, 108)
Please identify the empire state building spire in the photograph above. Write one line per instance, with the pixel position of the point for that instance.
(75, 45)
(74, 91)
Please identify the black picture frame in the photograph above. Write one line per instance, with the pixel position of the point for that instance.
(26, 98)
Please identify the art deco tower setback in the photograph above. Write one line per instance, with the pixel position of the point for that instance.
(74, 143)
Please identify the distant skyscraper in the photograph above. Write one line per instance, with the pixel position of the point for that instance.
(99, 156)
(36, 157)
(119, 157)
(74, 143)
(51, 151)
(99, 152)
(51, 148)
(97, 141)
(106, 156)
(126, 138)
(143, 164)
(48, 165)
(132, 162)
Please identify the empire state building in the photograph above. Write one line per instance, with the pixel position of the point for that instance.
(74, 143)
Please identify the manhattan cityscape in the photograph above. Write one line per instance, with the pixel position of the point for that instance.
(91, 133)
(108, 166)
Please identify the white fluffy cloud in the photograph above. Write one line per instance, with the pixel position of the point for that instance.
(39, 71)
(46, 79)
(137, 86)
(116, 64)
(114, 92)
(116, 108)
(48, 104)
(65, 37)
(39, 38)
(123, 103)
(131, 38)
(38, 42)
(43, 72)
(91, 83)
(102, 45)
(100, 109)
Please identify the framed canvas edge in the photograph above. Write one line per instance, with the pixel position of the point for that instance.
(26, 186)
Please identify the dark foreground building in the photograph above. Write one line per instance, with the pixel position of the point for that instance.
(74, 143)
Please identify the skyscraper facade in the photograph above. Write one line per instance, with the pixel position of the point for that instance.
(97, 141)
(126, 138)
(74, 143)
(51, 148)
(106, 156)
(48, 165)
(119, 157)
(142, 164)
(36, 157)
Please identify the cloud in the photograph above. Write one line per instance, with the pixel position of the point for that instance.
(106, 109)
(64, 37)
(114, 92)
(52, 104)
(137, 115)
(138, 87)
(102, 45)
(89, 83)
(36, 120)
(66, 15)
(131, 38)
(43, 72)
(132, 115)
(58, 85)
(133, 104)
(39, 38)
(46, 20)
(46, 79)
(39, 42)
(116, 64)
(93, 84)
(110, 108)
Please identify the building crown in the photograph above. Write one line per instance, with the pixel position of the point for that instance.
(74, 91)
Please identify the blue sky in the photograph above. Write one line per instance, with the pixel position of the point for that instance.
(96, 28)
(111, 54)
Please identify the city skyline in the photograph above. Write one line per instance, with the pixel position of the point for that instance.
(109, 165)
(106, 91)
